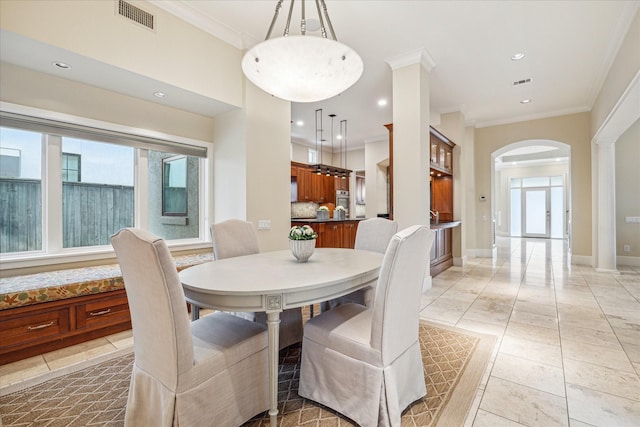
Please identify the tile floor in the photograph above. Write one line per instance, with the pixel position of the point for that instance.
(568, 351)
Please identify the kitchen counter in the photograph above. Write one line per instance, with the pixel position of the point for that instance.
(319, 221)
(445, 224)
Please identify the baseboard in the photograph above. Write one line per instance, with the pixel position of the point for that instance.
(481, 253)
(460, 261)
(581, 260)
(427, 283)
(633, 261)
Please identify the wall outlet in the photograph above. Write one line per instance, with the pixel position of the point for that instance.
(632, 219)
(264, 224)
(626, 248)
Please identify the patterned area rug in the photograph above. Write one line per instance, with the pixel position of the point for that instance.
(454, 362)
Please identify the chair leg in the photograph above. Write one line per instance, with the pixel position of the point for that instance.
(195, 312)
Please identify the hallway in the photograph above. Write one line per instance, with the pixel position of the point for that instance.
(568, 350)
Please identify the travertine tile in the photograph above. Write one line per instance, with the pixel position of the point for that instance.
(487, 419)
(596, 355)
(533, 333)
(589, 336)
(577, 310)
(526, 405)
(601, 409)
(531, 307)
(577, 321)
(618, 383)
(78, 353)
(481, 327)
(21, 370)
(529, 373)
(542, 320)
(532, 350)
(121, 339)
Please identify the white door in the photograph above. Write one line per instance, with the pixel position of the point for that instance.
(536, 216)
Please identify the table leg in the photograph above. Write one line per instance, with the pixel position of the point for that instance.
(273, 325)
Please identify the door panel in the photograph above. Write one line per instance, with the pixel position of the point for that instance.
(536, 212)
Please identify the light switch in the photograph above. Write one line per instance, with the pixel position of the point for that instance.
(264, 224)
(632, 219)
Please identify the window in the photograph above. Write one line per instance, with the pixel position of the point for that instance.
(313, 156)
(174, 186)
(70, 167)
(102, 204)
(20, 191)
(90, 182)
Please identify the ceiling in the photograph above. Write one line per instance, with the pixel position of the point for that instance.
(568, 47)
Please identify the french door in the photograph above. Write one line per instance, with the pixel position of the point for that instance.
(536, 215)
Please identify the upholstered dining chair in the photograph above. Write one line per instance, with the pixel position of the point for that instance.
(365, 362)
(373, 234)
(210, 371)
(234, 237)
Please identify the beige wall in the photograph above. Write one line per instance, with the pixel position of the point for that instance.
(31, 88)
(375, 183)
(573, 130)
(199, 63)
(628, 193)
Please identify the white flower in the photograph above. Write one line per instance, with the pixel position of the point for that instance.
(304, 232)
(339, 208)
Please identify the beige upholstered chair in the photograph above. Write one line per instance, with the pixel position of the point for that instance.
(373, 234)
(234, 238)
(206, 372)
(365, 362)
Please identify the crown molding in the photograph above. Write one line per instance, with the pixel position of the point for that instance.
(420, 56)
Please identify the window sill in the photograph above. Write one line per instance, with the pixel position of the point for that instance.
(85, 256)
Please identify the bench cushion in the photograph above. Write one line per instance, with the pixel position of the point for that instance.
(36, 288)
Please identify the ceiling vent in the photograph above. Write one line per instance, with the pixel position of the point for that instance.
(136, 14)
(521, 82)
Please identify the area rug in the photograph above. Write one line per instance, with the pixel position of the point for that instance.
(454, 362)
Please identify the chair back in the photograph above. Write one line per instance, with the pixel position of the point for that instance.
(234, 238)
(161, 328)
(374, 234)
(396, 308)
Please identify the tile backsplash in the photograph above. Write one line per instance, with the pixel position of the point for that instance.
(303, 209)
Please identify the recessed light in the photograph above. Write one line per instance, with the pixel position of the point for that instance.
(299, 123)
(525, 101)
(517, 56)
(382, 102)
(62, 65)
(159, 94)
(514, 163)
(339, 137)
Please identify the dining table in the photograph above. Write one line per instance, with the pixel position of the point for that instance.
(275, 281)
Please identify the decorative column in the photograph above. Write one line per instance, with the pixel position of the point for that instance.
(411, 137)
(606, 250)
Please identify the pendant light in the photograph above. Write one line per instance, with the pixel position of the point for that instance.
(302, 68)
(343, 140)
(319, 131)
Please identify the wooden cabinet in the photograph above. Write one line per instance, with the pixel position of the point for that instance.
(311, 187)
(441, 150)
(441, 254)
(333, 234)
(39, 328)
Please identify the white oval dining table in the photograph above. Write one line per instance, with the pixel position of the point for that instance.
(274, 281)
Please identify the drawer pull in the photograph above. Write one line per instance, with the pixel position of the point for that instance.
(44, 325)
(100, 313)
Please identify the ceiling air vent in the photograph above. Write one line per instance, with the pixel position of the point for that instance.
(135, 14)
(521, 82)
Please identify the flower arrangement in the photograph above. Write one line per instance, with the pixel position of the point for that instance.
(323, 208)
(339, 208)
(304, 232)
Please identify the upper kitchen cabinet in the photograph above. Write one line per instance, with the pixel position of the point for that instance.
(441, 152)
(308, 186)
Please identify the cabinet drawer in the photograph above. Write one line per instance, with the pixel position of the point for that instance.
(102, 312)
(29, 328)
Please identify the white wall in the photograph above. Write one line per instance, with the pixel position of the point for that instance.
(628, 194)
(375, 153)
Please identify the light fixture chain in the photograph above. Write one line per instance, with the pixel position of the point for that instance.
(286, 28)
(275, 17)
(303, 21)
(326, 14)
(323, 31)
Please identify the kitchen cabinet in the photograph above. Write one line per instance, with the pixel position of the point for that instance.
(311, 187)
(333, 234)
(441, 152)
(441, 254)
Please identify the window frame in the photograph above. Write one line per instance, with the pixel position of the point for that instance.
(52, 251)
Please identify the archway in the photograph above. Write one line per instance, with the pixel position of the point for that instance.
(530, 190)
